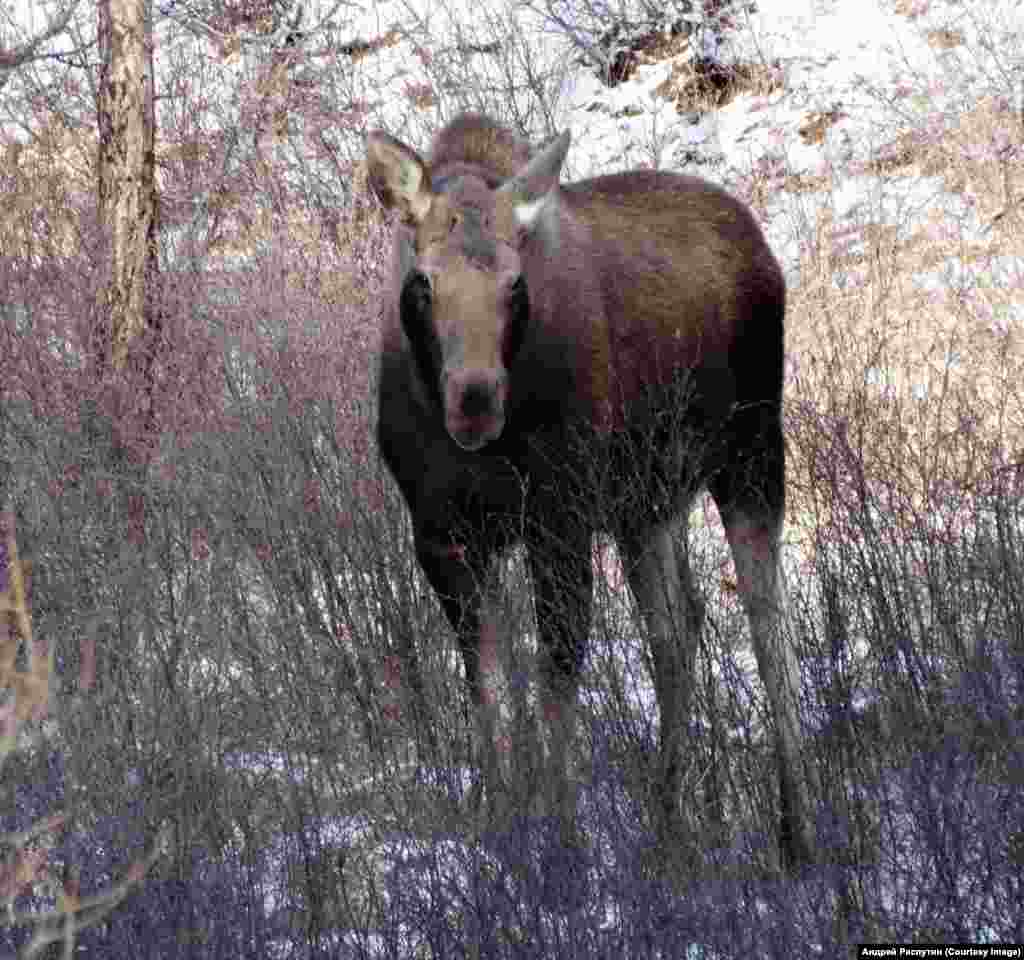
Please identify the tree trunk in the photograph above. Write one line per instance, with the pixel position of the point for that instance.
(127, 182)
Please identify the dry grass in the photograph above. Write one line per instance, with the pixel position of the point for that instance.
(922, 312)
(905, 404)
(702, 85)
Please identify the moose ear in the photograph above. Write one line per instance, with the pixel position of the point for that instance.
(530, 189)
(398, 177)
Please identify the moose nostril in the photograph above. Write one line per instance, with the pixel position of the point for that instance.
(476, 400)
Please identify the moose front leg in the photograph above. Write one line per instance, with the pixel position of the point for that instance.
(563, 580)
(463, 582)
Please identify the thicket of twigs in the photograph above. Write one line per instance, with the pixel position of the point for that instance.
(234, 722)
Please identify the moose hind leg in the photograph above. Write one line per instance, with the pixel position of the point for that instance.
(658, 570)
(753, 526)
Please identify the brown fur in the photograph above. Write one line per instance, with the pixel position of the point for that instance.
(474, 140)
(561, 359)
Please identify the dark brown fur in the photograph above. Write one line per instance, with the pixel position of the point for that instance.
(647, 363)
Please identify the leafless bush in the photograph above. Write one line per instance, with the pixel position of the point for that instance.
(609, 35)
(488, 63)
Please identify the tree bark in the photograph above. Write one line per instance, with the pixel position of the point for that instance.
(127, 181)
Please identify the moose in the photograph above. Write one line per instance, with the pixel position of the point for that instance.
(559, 360)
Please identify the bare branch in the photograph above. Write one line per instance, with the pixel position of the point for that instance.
(13, 57)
